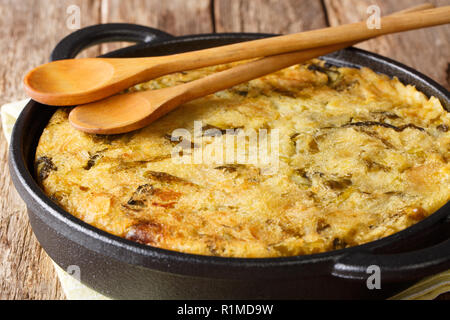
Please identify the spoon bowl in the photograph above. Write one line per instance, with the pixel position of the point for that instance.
(132, 111)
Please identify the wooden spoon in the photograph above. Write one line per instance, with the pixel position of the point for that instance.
(131, 111)
(78, 81)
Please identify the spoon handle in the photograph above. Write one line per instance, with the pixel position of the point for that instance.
(255, 69)
(305, 40)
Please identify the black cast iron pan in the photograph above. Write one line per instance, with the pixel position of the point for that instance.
(120, 268)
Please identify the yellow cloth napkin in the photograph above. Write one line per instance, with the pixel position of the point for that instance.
(427, 289)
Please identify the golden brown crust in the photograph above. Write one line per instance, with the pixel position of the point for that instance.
(361, 157)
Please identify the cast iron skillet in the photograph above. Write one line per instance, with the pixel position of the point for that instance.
(120, 268)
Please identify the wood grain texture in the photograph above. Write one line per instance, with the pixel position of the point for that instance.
(427, 50)
(270, 16)
(29, 29)
(177, 17)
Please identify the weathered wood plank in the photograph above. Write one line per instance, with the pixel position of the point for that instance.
(29, 29)
(427, 50)
(177, 17)
(268, 16)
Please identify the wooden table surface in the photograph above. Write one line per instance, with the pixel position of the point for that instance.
(29, 29)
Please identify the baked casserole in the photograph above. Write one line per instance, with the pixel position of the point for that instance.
(360, 157)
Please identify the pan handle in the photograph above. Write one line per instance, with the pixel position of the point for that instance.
(398, 267)
(75, 42)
